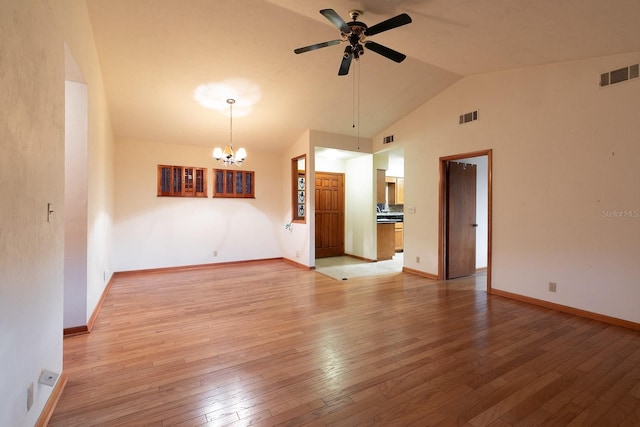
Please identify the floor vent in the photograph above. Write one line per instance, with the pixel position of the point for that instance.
(619, 75)
(387, 139)
(468, 117)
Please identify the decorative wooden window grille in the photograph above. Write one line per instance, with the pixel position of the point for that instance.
(182, 181)
(299, 189)
(233, 183)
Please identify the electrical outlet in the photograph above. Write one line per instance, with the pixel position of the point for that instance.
(215, 253)
(48, 378)
(417, 260)
(552, 286)
(297, 254)
(29, 396)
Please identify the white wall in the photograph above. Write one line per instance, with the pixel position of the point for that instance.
(158, 232)
(75, 205)
(564, 158)
(360, 212)
(32, 169)
(72, 19)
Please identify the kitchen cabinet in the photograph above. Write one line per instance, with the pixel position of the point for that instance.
(380, 186)
(386, 241)
(399, 191)
(395, 190)
(399, 236)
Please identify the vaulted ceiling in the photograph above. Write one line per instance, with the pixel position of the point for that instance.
(155, 53)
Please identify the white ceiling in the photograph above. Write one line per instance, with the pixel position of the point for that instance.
(154, 53)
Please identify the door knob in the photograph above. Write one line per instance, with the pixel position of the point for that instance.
(474, 225)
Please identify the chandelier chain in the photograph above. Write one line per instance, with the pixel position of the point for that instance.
(231, 102)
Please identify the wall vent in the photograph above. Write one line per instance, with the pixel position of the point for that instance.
(468, 117)
(620, 75)
(387, 139)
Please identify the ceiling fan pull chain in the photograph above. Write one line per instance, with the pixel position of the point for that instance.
(358, 67)
(353, 103)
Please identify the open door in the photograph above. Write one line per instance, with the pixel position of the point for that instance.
(329, 214)
(463, 238)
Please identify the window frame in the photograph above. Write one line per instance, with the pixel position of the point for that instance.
(225, 184)
(181, 181)
(299, 189)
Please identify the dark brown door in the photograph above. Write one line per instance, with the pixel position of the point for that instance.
(461, 219)
(329, 214)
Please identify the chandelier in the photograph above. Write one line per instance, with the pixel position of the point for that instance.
(227, 156)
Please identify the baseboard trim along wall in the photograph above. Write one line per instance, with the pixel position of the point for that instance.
(361, 258)
(76, 330)
(52, 402)
(420, 273)
(190, 267)
(297, 264)
(569, 310)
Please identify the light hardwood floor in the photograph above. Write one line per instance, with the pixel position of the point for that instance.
(267, 343)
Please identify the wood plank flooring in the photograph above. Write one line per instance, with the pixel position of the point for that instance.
(267, 343)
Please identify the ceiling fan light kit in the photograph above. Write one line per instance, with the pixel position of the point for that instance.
(356, 33)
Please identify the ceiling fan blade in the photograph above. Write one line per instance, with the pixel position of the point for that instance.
(390, 23)
(345, 64)
(385, 51)
(336, 20)
(317, 46)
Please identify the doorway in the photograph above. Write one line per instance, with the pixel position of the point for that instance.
(463, 228)
(329, 214)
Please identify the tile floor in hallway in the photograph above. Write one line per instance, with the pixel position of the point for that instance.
(348, 267)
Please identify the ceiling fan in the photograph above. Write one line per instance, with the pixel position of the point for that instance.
(355, 33)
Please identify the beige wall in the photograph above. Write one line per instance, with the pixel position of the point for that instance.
(32, 127)
(564, 154)
(158, 232)
(32, 168)
(297, 240)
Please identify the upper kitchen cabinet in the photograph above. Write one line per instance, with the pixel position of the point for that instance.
(395, 190)
(399, 191)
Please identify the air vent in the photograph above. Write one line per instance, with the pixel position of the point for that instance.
(387, 139)
(619, 75)
(468, 117)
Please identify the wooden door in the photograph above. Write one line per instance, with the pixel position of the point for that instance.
(329, 214)
(461, 219)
